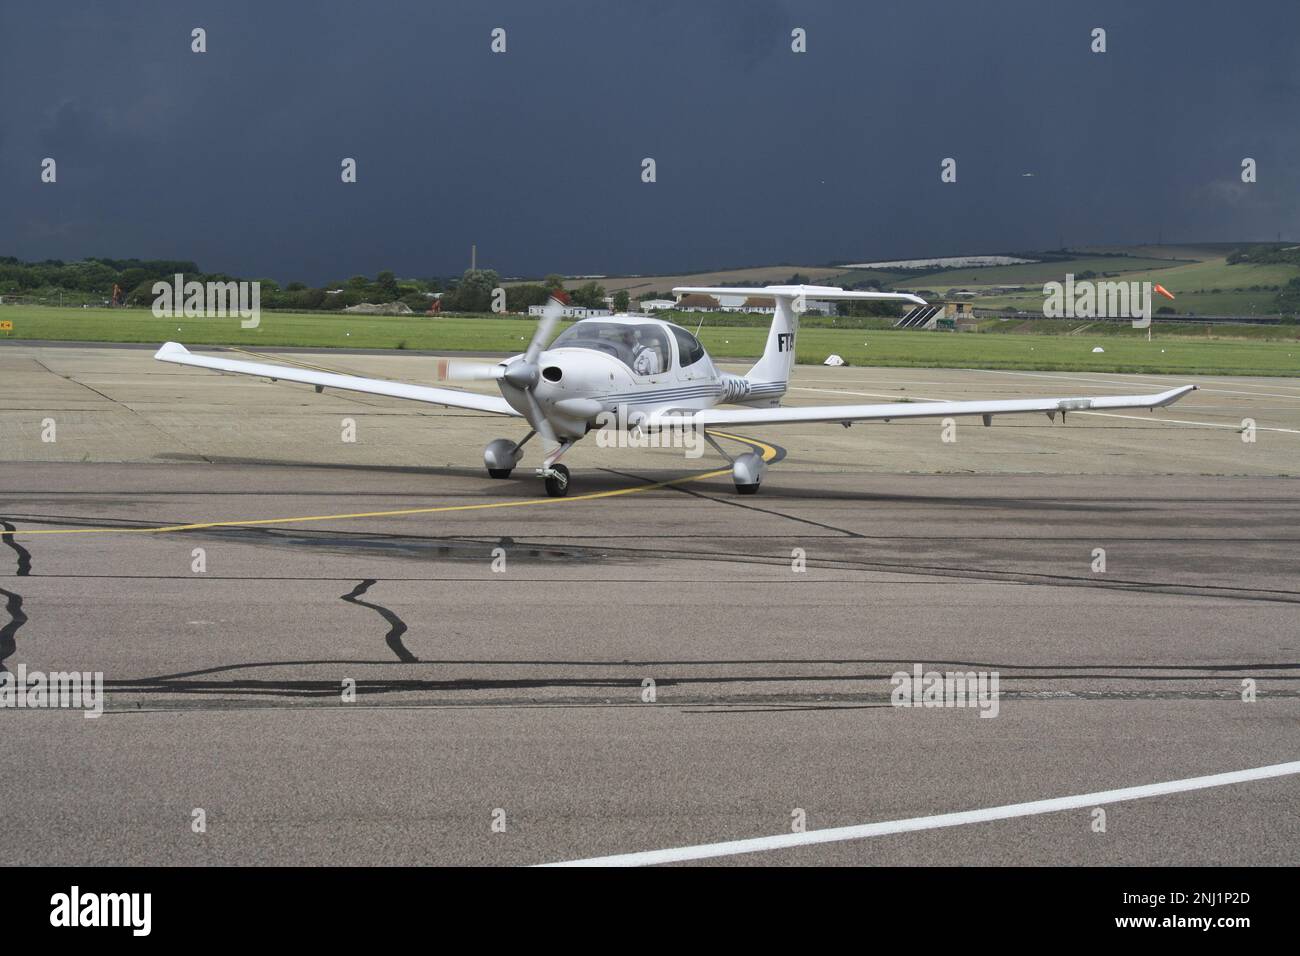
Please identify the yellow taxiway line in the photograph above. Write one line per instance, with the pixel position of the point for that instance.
(768, 452)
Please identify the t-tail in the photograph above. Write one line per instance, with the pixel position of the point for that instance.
(766, 382)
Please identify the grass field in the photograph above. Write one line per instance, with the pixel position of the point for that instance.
(1035, 273)
(1204, 287)
(1192, 351)
(1133, 353)
(1183, 330)
(489, 334)
(1187, 303)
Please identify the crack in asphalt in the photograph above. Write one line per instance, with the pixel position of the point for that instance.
(13, 600)
(396, 626)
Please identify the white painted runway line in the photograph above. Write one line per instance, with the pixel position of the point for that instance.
(1181, 379)
(1179, 421)
(783, 841)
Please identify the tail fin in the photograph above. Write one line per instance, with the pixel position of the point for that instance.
(769, 377)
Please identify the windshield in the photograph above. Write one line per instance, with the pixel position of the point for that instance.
(642, 348)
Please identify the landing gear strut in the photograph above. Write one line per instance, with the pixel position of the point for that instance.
(555, 475)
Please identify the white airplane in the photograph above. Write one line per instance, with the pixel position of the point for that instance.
(654, 376)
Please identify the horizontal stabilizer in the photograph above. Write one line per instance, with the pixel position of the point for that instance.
(797, 291)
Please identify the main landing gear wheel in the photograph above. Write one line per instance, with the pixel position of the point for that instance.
(501, 456)
(557, 483)
(747, 472)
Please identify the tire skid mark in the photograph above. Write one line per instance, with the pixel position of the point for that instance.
(13, 600)
(396, 626)
(24, 556)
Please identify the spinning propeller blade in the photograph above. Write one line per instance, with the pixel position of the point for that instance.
(545, 329)
(523, 373)
(459, 370)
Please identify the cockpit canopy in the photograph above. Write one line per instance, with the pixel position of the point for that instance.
(641, 346)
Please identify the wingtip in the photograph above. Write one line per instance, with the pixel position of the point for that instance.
(169, 349)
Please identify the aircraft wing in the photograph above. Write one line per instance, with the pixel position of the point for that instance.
(858, 413)
(180, 355)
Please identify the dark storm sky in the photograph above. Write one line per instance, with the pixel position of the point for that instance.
(231, 158)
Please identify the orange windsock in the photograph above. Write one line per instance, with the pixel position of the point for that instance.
(1163, 291)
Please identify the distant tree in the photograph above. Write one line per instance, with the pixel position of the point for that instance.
(1288, 300)
(386, 286)
(590, 296)
(553, 281)
(415, 301)
(89, 276)
(142, 294)
(870, 309)
(474, 291)
(622, 301)
(520, 297)
(304, 298)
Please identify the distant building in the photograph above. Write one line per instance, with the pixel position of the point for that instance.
(698, 302)
(655, 305)
(571, 312)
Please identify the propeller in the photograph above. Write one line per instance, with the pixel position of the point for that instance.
(464, 371)
(545, 329)
(523, 372)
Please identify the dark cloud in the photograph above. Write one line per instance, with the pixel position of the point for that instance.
(232, 157)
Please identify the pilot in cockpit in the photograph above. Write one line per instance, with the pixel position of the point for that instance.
(645, 360)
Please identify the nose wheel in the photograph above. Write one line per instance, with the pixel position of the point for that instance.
(557, 481)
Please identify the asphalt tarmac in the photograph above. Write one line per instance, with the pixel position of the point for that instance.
(369, 652)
